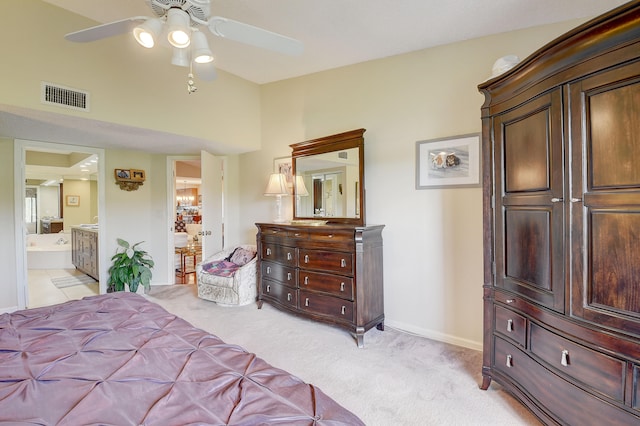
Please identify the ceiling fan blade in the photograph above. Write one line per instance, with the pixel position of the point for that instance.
(248, 34)
(105, 30)
(206, 72)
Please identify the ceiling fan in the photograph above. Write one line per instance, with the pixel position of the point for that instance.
(180, 25)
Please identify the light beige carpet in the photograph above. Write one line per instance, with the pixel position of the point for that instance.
(396, 379)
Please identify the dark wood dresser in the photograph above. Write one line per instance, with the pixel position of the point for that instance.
(561, 156)
(330, 273)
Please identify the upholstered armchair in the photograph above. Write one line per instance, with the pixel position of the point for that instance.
(229, 277)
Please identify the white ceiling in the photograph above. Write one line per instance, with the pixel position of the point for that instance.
(335, 33)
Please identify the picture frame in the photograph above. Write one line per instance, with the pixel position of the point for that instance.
(122, 174)
(451, 162)
(284, 165)
(72, 200)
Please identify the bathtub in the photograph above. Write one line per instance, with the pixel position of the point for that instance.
(45, 252)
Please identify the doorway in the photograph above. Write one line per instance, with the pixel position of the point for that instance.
(196, 205)
(50, 174)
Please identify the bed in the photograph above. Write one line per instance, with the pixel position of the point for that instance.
(121, 359)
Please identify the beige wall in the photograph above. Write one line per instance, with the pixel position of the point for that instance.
(433, 238)
(128, 84)
(76, 215)
(10, 271)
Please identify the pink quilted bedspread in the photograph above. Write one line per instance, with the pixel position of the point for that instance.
(122, 360)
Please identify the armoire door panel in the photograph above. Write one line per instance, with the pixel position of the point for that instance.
(605, 283)
(614, 123)
(614, 283)
(529, 248)
(526, 153)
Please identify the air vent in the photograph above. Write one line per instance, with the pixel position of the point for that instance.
(54, 94)
(342, 155)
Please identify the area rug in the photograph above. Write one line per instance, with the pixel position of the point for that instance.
(70, 281)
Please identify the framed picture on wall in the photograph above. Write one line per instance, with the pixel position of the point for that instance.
(448, 162)
(73, 200)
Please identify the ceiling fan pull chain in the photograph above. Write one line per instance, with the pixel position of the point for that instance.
(190, 86)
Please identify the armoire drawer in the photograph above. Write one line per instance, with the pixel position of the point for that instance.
(337, 285)
(553, 392)
(326, 305)
(601, 372)
(283, 294)
(333, 261)
(513, 326)
(277, 272)
(278, 253)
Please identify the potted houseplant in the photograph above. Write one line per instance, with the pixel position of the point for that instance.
(131, 266)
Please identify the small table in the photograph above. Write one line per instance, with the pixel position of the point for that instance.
(190, 250)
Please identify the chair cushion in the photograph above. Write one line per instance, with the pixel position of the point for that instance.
(221, 268)
(241, 256)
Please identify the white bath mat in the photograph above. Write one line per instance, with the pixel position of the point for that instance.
(70, 281)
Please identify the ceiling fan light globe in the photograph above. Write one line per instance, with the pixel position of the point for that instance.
(179, 31)
(144, 38)
(180, 57)
(179, 38)
(203, 59)
(200, 48)
(147, 32)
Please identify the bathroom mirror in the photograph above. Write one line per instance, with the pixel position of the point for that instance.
(329, 178)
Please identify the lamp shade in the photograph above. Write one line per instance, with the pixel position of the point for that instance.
(147, 32)
(200, 48)
(277, 185)
(178, 22)
(300, 189)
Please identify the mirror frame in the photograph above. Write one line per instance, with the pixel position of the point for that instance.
(337, 142)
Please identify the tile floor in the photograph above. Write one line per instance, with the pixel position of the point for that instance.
(42, 292)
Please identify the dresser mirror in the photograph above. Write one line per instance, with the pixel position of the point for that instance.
(329, 179)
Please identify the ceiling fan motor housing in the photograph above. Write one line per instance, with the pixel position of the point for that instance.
(198, 10)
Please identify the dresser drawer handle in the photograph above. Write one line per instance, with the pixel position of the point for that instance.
(289, 256)
(306, 258)
(330, 235)
(344, 309)
(288, 276)
(306, 301)
(297, 234)
(289, 297)
(268, 251)
(564, 360)
(306, 280)
(509, 325)
(268, 289)
(509, 361)
(343, 263)
(268, 270)
(341, 286)
(510, 301)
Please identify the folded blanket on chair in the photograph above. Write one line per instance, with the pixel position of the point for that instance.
(220, 268)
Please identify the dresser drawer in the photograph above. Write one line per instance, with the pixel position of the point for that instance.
(283, 294)
(635, 393)
(556, 394)
(331, 236)
(277, 272)
(326, 305)
(601, 372)
(281, 254)
(339, 262)
(337, 285)
(511, 325)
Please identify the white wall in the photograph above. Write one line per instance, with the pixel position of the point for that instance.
(433, 238)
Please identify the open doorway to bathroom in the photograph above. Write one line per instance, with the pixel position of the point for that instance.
(60, 192)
